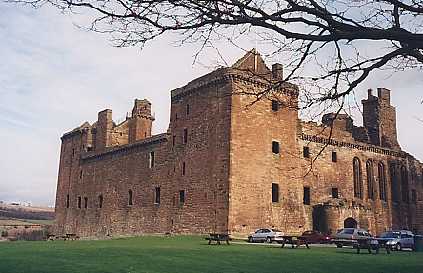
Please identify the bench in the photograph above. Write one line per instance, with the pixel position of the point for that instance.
(370, 244)
(218, 237)
(294, 241)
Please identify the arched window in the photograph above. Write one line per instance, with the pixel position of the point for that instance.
(358, 181)
(382, 181)
(100, 201)
(370, 180)
(130, 198)
(404, 184)
(394, 183)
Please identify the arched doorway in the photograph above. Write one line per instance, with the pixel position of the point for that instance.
(350, 223)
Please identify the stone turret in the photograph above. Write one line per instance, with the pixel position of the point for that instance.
(141, 121)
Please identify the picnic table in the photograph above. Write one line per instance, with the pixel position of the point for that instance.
(218, 237)
(294, 241)
(371, 244)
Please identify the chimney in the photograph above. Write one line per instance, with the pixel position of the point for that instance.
(277, 71)
(104, 129)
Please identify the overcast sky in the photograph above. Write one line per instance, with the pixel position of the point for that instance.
(54, 76)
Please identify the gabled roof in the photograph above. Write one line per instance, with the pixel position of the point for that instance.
(252, 62)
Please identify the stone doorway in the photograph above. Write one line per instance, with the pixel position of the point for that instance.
(320, 222)
(350, 223)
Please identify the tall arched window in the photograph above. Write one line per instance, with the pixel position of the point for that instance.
(358, 181)
(382, 181)
(404, 184)
(395, 190)
(100, 201)
(370, 180)
(130, 198)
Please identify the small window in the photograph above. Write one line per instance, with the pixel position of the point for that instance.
(275, 147)
(188, 109)
(100, 201)
(176, 116)
(413, 196)
(85, 202)
(157, 195)
(80, 174)
(185, 136)
(306, 199)
(306, 152)
(67, 201)
(73, 151)
(181, 197)
(173, 140)
(79, 202)
(275, 192)
(151, 160)
(334, 157)
(335, 193)
(130, 198)
(183, 168)
(275, 105)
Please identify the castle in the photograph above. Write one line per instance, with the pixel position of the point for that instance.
(233, 160)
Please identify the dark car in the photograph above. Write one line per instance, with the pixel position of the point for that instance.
(316, 237)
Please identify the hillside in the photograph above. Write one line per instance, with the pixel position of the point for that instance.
(23, 212)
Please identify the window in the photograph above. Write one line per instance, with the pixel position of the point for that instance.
(79, 202)
(100, 201)
(306, 152)
(130, 198)
(181, 197)
(306, 196)
(275, 192)
(183, 168)
(382, 181)
(151, 160)
(187, 109)
(275, 105)
(173, 140)
(370, 180)
(394, 183)
(275, 147)
(176, 116)
(357, 177)
(334, 157)
(80, 174)
(413, 196)
(157, 195)
(185, 136)
(85, 202)
(335, 193)
(67, 201)
(404, 184)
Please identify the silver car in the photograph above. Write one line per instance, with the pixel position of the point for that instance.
(398, 239)
(267, 235)
(349, 236)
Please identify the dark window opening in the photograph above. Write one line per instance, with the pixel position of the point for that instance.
(151, 159)
(85, 202)
(334, 157)
(80, 174)
(79, 202)
(183, 168)
(73, 152)
(357, 177)
(157, 195)
(370, 180)
(306, 196)
(182, 197)
(176, 116)
(185, 136)
(130, 198)
(275, 192)
(413, 196)
(335, 193)
(394, 183)
(275, 105)
(404, 185)
(275, 147)
(188, 109)
(306, 152)
(67, 201)
(100, 201)
(173, 140)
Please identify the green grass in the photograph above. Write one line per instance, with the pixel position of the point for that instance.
(181, 254)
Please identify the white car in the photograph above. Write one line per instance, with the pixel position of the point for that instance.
(266, 235)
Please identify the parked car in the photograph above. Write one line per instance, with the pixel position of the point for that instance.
(397, 239)
(316, 237)
(267, 235)
(349, 236)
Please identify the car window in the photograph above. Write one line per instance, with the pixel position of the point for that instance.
(266, 230)
(276, 230)
(347, 231)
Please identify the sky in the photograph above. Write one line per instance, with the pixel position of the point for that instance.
(54, 76)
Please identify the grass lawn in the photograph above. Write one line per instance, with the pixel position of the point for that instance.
(181, 254)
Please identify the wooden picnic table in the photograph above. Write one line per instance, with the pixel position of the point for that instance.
(294, 241)
(218, 237)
